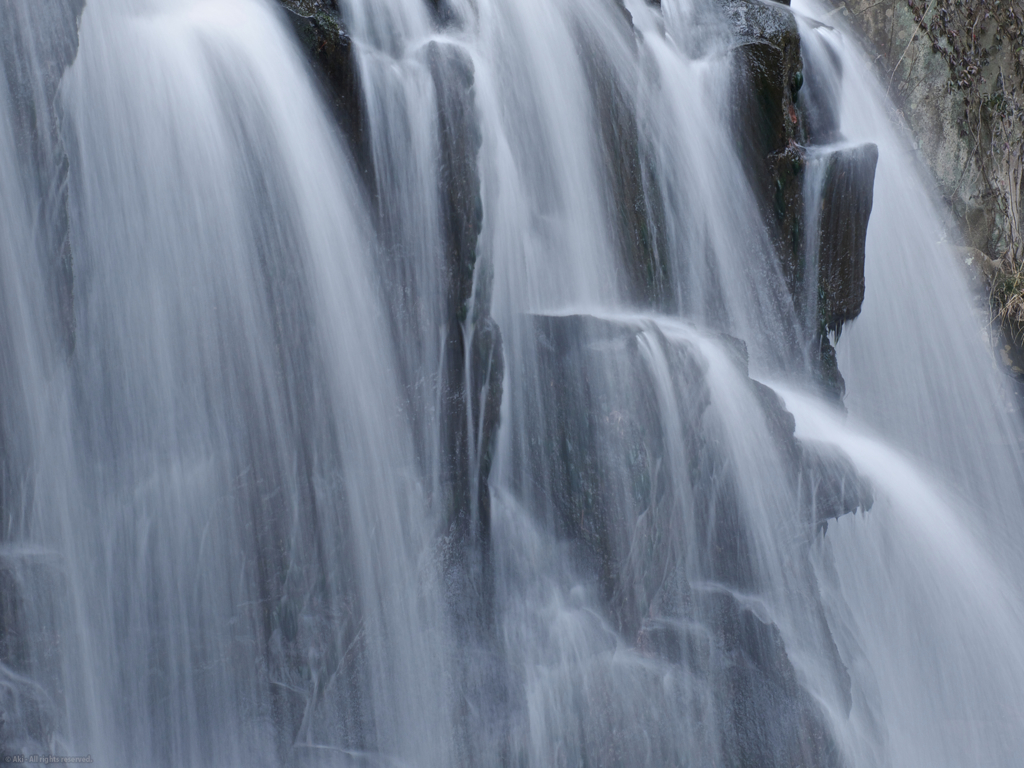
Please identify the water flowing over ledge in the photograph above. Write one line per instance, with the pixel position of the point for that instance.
(435, 382)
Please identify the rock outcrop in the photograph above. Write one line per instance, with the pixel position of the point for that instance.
(779, 121)
(846, 198)
(473, 358)
(636, 463)
(634, 205)
(329, 50)
(631, 464)
(955, 69)
(769, 74)
(473, 364)
(834, 294)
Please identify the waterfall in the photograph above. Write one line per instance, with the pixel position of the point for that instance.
(535, 382)
(220, 530)
(946, 462)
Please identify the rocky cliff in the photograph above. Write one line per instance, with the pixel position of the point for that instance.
(955, 70)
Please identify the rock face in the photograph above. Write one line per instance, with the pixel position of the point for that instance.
(842, 229)
(834, 292)
(473, 358)
(830, 484)
(821, 260)
(329, 51)
(772, 128)
(634, 206)
(37, 43)
(938, 59)
(473, 363)
(769, 75)
(635, 465)
(632, 466)
(955, 69)
(459, 182)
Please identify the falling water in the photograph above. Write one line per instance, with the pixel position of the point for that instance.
(253, 512)
(928, 426)
(219, 543)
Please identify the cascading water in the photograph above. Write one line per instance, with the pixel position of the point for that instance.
(218, 544)
(943, 540)
(256, 505)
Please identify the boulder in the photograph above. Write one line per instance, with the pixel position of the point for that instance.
(769, 68)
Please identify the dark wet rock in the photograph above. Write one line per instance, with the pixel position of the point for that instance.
(819, 103)
(764, 716)
(830, 484)
(471, 397)
(601, 453)
(770, 720)
(467, 560)
(473, 364)
(634, 206)
(442, 11)
(461, 217)
(618, 481)
(776, 116)
(44, 50)
(767, 45)
(467, 545)
(842, 221)
(567, 455)
(468, 541)
(606, 455)
(830, 381)
(487, 370)
(786, 168)
(769, 129)
(330, 52)
(780, 422)
(38, 42)
(459, 187)
(843, 224)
